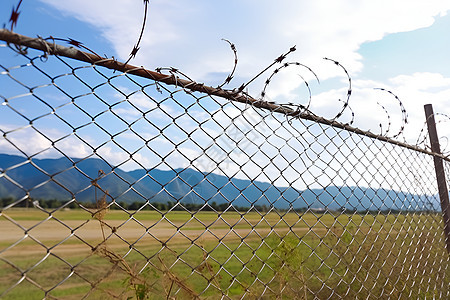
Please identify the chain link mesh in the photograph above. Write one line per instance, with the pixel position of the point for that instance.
(115, 185)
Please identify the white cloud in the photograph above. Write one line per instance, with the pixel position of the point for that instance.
(187, 34)
(414, 91)
(421, 81)
(26, 139)
(117, 156)
(32, 142)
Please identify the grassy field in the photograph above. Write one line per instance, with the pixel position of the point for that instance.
(71, 254)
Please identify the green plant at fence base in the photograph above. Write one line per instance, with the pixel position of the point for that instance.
(292, 281)
(384, 253)
(348, 257)
(141, 284)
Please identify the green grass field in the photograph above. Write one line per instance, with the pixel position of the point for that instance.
(148, 254)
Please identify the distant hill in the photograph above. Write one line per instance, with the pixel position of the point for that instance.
(61, 179)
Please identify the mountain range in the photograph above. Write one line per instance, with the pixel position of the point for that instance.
(63, 179)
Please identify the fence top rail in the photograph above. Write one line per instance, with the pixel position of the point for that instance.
(236, 95)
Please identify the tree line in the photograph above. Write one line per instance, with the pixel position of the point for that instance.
(177, 206)
(161, 206)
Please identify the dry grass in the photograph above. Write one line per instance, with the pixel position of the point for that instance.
(141, 286)
(349, 256)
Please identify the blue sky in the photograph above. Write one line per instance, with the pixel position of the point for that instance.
(421, 50)
(375, 40)
(398, 45)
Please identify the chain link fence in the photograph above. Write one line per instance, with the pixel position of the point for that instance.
(114, 185)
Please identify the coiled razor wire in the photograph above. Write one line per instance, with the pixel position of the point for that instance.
(168, 188)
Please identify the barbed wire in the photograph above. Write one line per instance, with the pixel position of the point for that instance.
(300, 107)
(290, 109)
(404, 114)
(422, 137)
(293, 108)
(278, 60)
(231, 75)
(13, 20)
(136, 47)
(349, 90)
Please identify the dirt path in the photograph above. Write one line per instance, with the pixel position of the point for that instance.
(81, 236)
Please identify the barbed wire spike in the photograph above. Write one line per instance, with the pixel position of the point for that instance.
(74, 42)
(15, 15)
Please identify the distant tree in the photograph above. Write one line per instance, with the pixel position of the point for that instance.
(53, 203)
(223, 206)
(170, 204)
(6, 201)
(135, 205)
(122, 204)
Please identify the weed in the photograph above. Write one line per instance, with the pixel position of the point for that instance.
(141, 284)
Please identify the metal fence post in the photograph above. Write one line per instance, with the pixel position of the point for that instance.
(440, 173)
